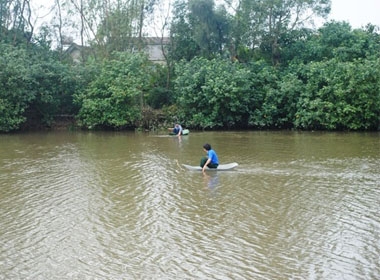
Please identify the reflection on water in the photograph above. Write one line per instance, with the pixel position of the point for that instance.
(211, 180)
(121, 206)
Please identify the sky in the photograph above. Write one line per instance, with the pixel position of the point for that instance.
(357, 12)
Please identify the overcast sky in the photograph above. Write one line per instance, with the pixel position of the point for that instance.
(357, 12)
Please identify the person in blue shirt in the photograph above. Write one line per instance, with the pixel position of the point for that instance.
(211, 161)
(177, 130)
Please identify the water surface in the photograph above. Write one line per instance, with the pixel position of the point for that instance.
(301, 205)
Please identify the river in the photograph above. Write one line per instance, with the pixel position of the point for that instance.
(120, 205)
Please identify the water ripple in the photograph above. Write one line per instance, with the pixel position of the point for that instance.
(116, 207)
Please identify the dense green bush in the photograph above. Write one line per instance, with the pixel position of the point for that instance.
(328, 79)
(17, 86)
(114, 99)
(55, 83)
(213, 93)
(279, 96)
(334, 40)
(326, 95)
(35, 86)
(339, 95)
(160, 93)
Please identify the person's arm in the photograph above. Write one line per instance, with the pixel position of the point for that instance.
(204, 166)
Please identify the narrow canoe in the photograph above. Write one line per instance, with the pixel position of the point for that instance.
(221, 167)
(184, 132)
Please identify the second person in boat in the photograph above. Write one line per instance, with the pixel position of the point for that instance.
(177, 130)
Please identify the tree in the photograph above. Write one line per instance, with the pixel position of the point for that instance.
(210, 27)
(122, 26)
(113, 98)
(182, 41)
(332, 40)
(213, 93)
(16, 87)
(339, 95)
(15, 21)
(34, 86)
(199, 29)
(261, 23)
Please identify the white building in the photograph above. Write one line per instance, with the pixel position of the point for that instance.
(154, 47)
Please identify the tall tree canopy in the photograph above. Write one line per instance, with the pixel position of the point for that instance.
(261, 23)
(199, 28)
(15, 16)
(122, 23)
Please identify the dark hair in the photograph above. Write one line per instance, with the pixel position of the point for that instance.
(207, 147)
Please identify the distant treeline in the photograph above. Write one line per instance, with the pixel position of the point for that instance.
(310, 79)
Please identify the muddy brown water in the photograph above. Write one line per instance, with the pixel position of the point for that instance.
(104, 205)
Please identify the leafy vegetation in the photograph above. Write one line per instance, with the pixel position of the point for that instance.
(260, 67)
(213, 93)
(34, 87)
(115, 97)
